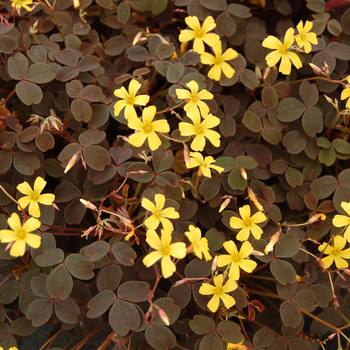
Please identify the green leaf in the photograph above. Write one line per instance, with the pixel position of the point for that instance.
(211, 341)
(252, 121)
(66, 310)
(309, 93)
(28, 92)
(225, 162)
(38, 285)
(5, 161)
(162, 160)
(294, 141)
(264, 337)
(175, 72)
(283, 271)
(81, 110)
(165, 51)
(17, 66)
(214, 5)
(144, 177)
(327, 156)
(197, 268)
(287, 246)
(109, 277)
(79, 267)
(180, 295)
(124, 253)
(239, 10)
(137, 53)
(225, 25)
(92, 93)
(8, 44)
(9, 292)
(236, 181)
(171, 310)
(88, 63)
(202, 324)
(37, 54)
(123, 310)
(210, 187)
(100, 303)
(339, 50)
(96, 157)
(312, 121)
(324, 186)
(160, 337)
(294, 177)
(290, 314)
(96, 251)
(40, 73)
(341, 146)
(227, 127)
(22, 326)
(120, 155)
(249, 79)
(134, 291)
(167, 178)
(290, 109)
(67, 57)
(246, 162)
(123, 12)
(272, 135)
(49, 257)
(230, 331)
(45, 141)
(39, 311)
(59, 283)
(305, 300)
(25, 163)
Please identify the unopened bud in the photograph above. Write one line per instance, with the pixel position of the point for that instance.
(136, 39)
(55, 206)
(71, 162)
(267, 72)
(186, 156)
(342, 277)
(88, 204)
(315, 68)
(163, 316)
(347, 271)
(225, 203)
(325, 65)
(243, 173)
(258, 73)
(335, 301)
(300, 279)
(76, 3)
(214, 264)
(254, 200)
(257, 253)
(141, 172)
(329, 100)
(87, 232)
(330, 337)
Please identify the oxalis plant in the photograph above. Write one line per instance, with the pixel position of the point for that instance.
(174, 174)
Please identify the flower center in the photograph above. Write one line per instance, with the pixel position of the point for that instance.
(34, 196)
(335, 252)
(199, 130)
(148, 128)
(130, 101)
(236, 258)
(247, 223)
(218, 291)
(217, 61)
(165, 250)
(283, 50)
(21, 234)
(194, 98)
(199, 33)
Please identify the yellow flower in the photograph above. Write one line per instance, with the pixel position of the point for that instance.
(163, 250)
(160, 215)
(247, 223)
(129, 99)
(198, 33)
(147, 128)
(238, 346)
(342, 220)
(201, 131)
(21, 235)
(199, 244)
(345, 94)
(304, 38)
(237, 259)
(219, 62)
(204, 164)
(18, 4)
(33, 196)
(335, 253)
(219, 292)
(282, 52)
(194, 99)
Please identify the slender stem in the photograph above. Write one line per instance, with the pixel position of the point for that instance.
(315, 78)
(3, 102)
(5, 279)
(107, 341)
(89, 336)
(51, 339)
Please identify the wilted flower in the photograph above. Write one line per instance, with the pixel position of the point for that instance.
(18, 4)
(21, 235)
(282, 52)
(33, 196)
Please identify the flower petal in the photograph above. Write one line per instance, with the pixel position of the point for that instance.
(167, 225)
(198, 45)
(182, 94)
(14, 222)
(207, 58)
(346, 205)
(39, 185)
(168, 267)
(236, 222)
(206, 289)
(148, 205)
(198, 143)
(211, 39)
(25, 188)
(137, 139)
(170, 213)
(193, 22)
(161, 125)
(18, 248)
(208, 24)
(214, 303)
(7, 236)
(247, 265)
(151, 258)
(186, 35)
(152, 222)
(33, 240)
(153, 240)
(34, 209)
(243, 235)
(224, 260)
(215, 73)
(141, 100)
(148, 114)
(31, 225)
(227, 300)
(178, 250)
(24, 201)
(154, 141)
(122, 93)
(134, 86)
(46, 198)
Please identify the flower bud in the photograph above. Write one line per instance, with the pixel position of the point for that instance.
(186, 156)
(267, 72)
(329, 100)
(335, 300)
(243, 173)
(317, 217)
(71, 162)
(163, 316)
(225, 203)
(274, 239)
(76, 3)
(88, 204)
(214, 265)
(315, 68)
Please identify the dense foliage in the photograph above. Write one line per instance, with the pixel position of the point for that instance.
(174, 174)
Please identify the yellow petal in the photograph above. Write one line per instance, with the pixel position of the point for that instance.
(327, 261)
(14, 222)
(134, 86)
(208, 24)
(24, 201)
(39, 185)
(33, 240)
(154, 141)
(243, 234)
(198, 45)
(215, 73)
(193, 22)
(186, 35)
(340, 263)
(18, 248)
(25, 188)
(207, 58)
(228, 300)
(236, 222)
(214, 303)
(224, 260)
(122, 93)
(285, 66)
(168, 267)
(141, 100)
(182, 94)
(346, 207)
(148, 205)
(272, 43)
(7, 236)
(247, 265)
(198, 143)
(227, 70)
(161, 125)
(46, 198)
(34, 209)
(170, 213)
(167, 225)
(211, 39)
(137, 139)
(206, 289)
(153, 240)
(178, 250)
(152, 222)
(151, 258)
(31, 225)
(148, 114)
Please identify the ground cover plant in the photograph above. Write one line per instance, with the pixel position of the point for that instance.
(174, 174)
